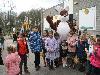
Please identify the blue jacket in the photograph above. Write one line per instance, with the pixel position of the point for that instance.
(81, 49)
(35, 42)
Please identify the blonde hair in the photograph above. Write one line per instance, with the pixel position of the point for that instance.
(81, 37)
(92, 38)
(11, 48)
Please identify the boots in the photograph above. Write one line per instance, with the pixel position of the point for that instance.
(26, 70)
(56, 63)
(37, 67)
(51, 67)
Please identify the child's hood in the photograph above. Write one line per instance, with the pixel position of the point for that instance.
(13, 56)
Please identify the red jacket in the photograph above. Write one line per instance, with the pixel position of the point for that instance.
(22, 46)
(95, 58)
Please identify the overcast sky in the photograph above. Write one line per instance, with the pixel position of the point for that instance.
(24, 5)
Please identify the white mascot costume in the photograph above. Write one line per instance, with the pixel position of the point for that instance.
(61, 26)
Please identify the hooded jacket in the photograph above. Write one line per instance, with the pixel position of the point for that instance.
(95, 57)
(12, 62)
(22, 46)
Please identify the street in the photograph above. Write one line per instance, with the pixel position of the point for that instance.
(43, 70)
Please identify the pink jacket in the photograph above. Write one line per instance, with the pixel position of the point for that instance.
(95, 58)
(12, 63)
(72, 41)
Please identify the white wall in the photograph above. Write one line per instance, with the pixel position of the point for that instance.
(70, 4)
(46, 24)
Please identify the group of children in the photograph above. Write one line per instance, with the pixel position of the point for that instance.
(85, 49)
(88, 53)
(55, 52)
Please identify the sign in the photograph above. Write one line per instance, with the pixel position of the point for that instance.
(87, 18)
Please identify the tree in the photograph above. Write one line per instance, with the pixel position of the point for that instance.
(21, 17)
(2, 19)
(1, 23)
(33, 15)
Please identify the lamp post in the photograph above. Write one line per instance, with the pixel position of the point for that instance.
(42, 20)
(10, 6)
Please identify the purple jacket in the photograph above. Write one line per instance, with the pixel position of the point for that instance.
(50, 44)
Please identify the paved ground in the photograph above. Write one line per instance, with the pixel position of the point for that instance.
(43, 70)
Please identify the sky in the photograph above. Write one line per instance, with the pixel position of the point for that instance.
(25, 5)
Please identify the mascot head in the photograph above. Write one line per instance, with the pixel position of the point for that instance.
(63, 12)
(63, 17)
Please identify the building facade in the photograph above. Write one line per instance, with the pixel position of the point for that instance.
(81, 4)
(52, 11)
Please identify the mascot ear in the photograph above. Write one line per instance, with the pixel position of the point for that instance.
(67, 8)
(59, 9)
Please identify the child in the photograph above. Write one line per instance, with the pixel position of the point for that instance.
(45, 36)
(35, 42)
(12, 61)
(22, 49)
(1, 43)
(72, 41)
(14, 37)
(57, 51)
(81, 54)
(89, 52)
(1, 61)
(51, 47)
(64, 49)
(95, 59)
(2, 40)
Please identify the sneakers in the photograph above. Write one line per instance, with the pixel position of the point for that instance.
(26, 71)
(37, 68)
(64, 65)
(51, 68)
